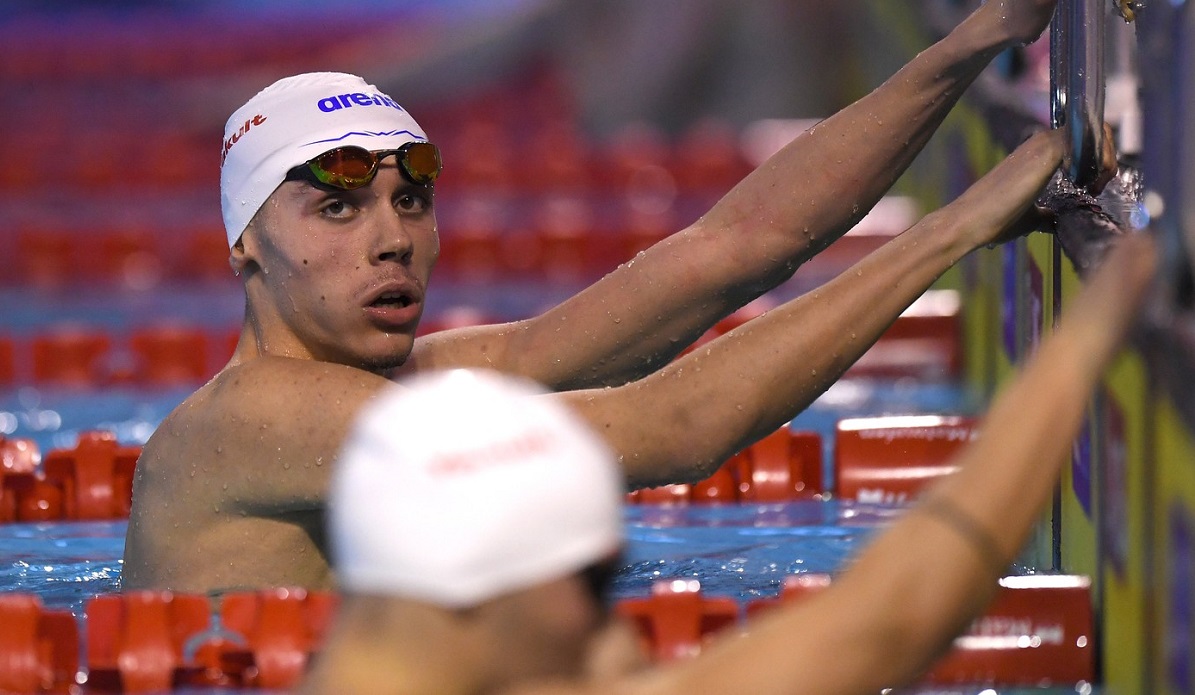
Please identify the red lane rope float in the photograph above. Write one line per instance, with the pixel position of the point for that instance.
(91, 481)
(784, 466)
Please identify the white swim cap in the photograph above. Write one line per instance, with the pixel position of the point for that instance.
(460, 486)
(294, 120)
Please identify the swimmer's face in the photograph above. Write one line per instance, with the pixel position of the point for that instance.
(340, 276)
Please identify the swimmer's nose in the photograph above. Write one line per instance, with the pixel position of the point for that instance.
(394, 242)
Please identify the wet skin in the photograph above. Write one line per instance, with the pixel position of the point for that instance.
(261, 437)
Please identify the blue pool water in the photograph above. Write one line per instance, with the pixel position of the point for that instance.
(742, 551)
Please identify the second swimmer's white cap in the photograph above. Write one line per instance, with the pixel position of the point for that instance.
(294, 120)
(460, 486)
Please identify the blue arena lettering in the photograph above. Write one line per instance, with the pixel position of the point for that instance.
(348, 101)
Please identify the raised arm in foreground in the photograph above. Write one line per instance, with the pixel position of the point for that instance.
(921, 581)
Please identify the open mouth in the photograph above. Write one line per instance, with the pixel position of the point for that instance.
(392, 300)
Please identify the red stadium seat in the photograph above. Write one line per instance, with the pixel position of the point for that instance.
(676, 620)
(637, 159)
(8, 362)
(282, 627)
(135, 639)
(70, 356)
(472, 248)
(95, 477)
(889, 459)
(46, 258)
(568, 248)
(127, 258)
(709, 160)
(39, 649)
(170, 355)
(562, 159)
(206, 256)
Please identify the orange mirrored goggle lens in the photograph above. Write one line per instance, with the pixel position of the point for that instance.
(354, 167)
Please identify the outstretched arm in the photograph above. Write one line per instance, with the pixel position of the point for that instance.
(642, 315)
(681, 422)
(920, 582)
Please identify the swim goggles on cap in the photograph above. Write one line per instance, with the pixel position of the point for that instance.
(353, 167)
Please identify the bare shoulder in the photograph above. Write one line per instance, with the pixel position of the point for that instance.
(270, 419)
(273, 395)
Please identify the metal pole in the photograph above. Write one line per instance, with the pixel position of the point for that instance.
(1077, 77)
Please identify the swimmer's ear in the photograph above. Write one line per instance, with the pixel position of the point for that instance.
(243, 256)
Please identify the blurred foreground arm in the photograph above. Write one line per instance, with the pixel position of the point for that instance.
(923, 580)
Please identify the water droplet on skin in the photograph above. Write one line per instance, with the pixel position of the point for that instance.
(286, 466)
(224, 486)
(219, 450)
(812, 372)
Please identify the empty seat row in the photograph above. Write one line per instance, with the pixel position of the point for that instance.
(134, 257)
(79, 356)
(878, 460)
(1037, 631)
(562, 243)
(91, 481)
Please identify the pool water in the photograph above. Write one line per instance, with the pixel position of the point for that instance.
(742, 551)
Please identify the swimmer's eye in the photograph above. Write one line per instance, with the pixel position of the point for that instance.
(335, 208)
(414, 201)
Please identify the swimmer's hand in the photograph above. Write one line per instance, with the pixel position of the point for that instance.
(1021, 21)
(1128, 9)
(1108, 164)
(1002, 205)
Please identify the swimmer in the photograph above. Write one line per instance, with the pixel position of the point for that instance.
(328, 200)
(476, 560)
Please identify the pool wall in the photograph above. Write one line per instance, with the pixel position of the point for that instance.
(1124, 512)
